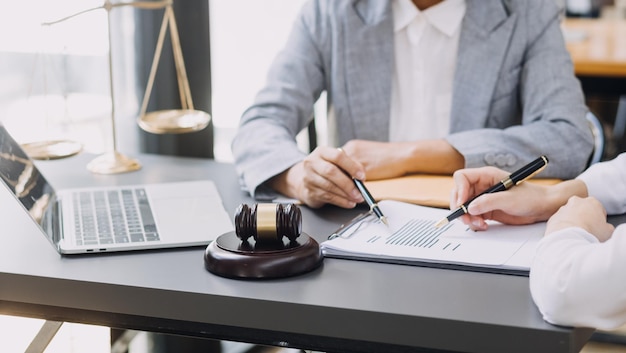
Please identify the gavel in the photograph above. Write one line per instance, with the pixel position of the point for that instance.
(268, 222)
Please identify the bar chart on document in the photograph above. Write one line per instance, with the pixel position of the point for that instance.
(412, 236)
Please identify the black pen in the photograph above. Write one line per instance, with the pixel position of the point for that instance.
(370, 201)
(524, 173)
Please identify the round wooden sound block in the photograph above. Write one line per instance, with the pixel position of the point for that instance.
(229, 256)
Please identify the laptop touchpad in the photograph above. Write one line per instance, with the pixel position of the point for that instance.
(203, 216)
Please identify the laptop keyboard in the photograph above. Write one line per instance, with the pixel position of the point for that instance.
(113, 216)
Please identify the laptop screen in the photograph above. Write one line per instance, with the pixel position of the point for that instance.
(19, 174)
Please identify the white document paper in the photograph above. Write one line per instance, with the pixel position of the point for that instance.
(413, 238)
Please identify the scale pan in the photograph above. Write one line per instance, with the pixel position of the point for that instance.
(54, 149)
(176, 121)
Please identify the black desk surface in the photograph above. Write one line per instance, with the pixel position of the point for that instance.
(343, 306)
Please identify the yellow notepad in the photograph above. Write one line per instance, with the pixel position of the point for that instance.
(422, 189)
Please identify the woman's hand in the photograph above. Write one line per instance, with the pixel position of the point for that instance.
(384, 160)
(523, 204)
(586, 213)
(324, 176)
(381, 160)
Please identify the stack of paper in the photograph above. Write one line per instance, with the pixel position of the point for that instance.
(412, 238)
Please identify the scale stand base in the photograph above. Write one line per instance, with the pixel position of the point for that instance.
(113, 163)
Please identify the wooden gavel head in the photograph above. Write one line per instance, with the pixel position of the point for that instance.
(268, 222)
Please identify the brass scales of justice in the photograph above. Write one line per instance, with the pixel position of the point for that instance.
(173, 121)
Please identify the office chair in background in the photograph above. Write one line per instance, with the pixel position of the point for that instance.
(599, 139)
(619, 127)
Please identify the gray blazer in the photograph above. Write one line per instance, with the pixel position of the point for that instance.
(515, 95)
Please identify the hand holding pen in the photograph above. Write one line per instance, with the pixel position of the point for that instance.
(371, 202)
(515, 178)
(322, 177)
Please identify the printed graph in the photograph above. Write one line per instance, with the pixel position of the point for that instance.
(419, 233)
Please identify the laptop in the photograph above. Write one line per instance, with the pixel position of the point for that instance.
(110, 219)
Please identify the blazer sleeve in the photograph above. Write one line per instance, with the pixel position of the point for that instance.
(545, 96)
(283, 107)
